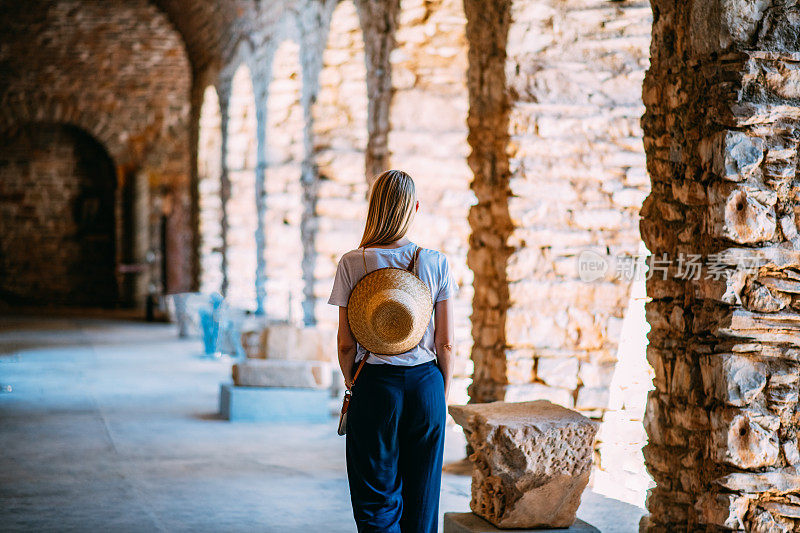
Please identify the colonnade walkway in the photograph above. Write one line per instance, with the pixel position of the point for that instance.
(111, 425)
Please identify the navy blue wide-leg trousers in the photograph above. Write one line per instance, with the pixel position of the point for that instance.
(395, 440)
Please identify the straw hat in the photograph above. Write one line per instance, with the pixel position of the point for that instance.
(389, 310)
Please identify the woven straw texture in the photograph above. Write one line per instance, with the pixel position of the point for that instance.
(389, 310)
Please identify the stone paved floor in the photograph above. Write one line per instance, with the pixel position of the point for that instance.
(111, 425)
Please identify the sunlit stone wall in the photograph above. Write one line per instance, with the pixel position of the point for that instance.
(555, 104)
(241, 204)
(284, 249)
(428, 139)
(209, 168)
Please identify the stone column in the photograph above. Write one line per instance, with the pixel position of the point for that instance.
(261, 90)
(487, 33)
(378, 22)
(140, 236)
(721, 136)
(314, 20)
(224, 92)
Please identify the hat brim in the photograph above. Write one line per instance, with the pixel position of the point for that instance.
(408, 293)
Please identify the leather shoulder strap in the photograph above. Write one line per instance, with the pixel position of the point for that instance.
(364, 256)
(360, 366)
(414, 260)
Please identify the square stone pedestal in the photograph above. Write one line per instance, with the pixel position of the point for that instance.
(273, 404)
(471, 523)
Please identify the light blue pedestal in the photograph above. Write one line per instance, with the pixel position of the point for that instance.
(273, 404)
(470, 523)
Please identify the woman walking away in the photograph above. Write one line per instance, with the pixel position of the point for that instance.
(395, 346)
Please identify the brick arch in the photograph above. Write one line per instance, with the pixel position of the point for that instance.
(120, 72)
(134, 116)
(47, 109)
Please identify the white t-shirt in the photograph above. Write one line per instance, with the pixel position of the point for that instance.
(432, 268)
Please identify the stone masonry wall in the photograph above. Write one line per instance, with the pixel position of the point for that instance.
(240, 160)
(721, 134)
(285, 152)
(555, 104)
(568, 111)
(57, 227)
(81, 62)
(209, 169)
(428, 139)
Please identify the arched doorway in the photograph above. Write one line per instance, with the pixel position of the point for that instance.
(57, 217)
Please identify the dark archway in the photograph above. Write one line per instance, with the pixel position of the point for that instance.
(57, 217)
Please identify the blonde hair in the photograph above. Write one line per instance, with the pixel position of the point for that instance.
(392, 200)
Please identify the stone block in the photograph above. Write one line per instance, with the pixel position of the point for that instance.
(734, 379)
(532, 461)
(724, 510)
(183, 309)
(273, 404)
(741, 213)
(471, 523)
(285, 341)
(744, 439)
(279, 373)
(538, 391)
(558, 372)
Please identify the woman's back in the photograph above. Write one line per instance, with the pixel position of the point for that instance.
(432, 268)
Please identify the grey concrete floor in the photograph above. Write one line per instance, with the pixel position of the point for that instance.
(111, 425)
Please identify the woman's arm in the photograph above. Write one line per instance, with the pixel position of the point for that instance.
(346, 345)
(443, 339)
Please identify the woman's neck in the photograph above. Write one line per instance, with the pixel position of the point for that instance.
(396, 244)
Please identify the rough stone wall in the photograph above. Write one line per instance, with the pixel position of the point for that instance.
(241, 215)
(339, 145)
(555, 103)
(567, 111)
(81, 63)
(428, 139)
(721, 135)
(285, 153)
(57, 227)
(209, 169)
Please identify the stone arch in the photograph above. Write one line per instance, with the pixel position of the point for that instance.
(340, 139)
(209, 176)
(283, 206)
(58, 217)
(240, 165)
